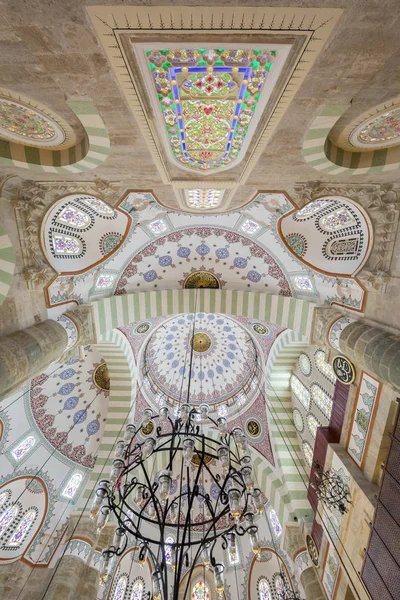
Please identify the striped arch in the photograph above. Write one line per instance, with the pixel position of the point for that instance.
(322, 154)
(7, 264)
(118, 355)
(85, 155)
(283, 485)
(116, 311)
(287, 481)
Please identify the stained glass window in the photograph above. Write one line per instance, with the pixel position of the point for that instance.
(338, 219)
(66, 244)
(303, 282)
(264, 591)
(72, 486)
(158, 226)
(120, 588)
(276, 524)
(305, 364)
(104, 281)
(137, 590)
(300, 391)
(23, 447)
(203, 198)
(323, 366)
(308, 453)
(207, 100)
(73, 217)
(101, 207)
(250, 226)
(200, 591)
(321, 399)
(168, 549)
(311, 209)
(23, 528)
(312, 425)
(7, 518)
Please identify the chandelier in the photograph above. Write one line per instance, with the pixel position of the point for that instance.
(331, 489)
(189, 447)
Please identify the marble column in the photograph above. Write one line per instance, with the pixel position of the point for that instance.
(27, 353)
(73, 577)
(369, 347)
(311, 584)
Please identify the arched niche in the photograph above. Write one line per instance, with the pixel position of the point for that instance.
(128, 570)
(268, 568)
(22, 515)
(331, 234)
(80, 231)
(199, 575)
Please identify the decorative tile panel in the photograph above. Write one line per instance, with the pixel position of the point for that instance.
(365, 407)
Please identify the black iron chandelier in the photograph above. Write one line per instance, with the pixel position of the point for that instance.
(146, 507)
(331, 489)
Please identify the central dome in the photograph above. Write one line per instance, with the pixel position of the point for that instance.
(210, 357)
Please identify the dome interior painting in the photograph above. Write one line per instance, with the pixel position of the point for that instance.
(239, 250)
(199, 299)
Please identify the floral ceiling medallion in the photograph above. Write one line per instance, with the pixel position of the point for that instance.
(380, 130)
(208, 99)
(24, 124)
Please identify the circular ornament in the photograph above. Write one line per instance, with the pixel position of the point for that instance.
(312, 549)
(148, 430)
(305, 364)
(142, 328)
(21, 122)
(253, 428)
(260, 329)
(380, 130)
(201, 342)
(343, 369)
(201, 279)
(101, 377)
(298, 420)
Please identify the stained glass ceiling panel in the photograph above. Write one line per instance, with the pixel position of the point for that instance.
(209, 100)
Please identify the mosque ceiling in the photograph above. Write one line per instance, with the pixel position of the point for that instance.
(163, 250)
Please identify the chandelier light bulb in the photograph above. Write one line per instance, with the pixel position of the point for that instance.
(101, 493)
(138, 496)
(254, 541)
(188, 449)
(102, 518)
(119, 449)
(147, 417)
(248, 477)
(219, 578)
(237, 435)
(222, 425)
(164, 414)
(205, 555)
(118, 536)
(204, 412)
(148, 448)
(185, 412)
(234, 503)
(156, 585)
(116, 469)
(129, 432)
(165, 482)
(143, 551)
(223, 457)
(232, 547)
